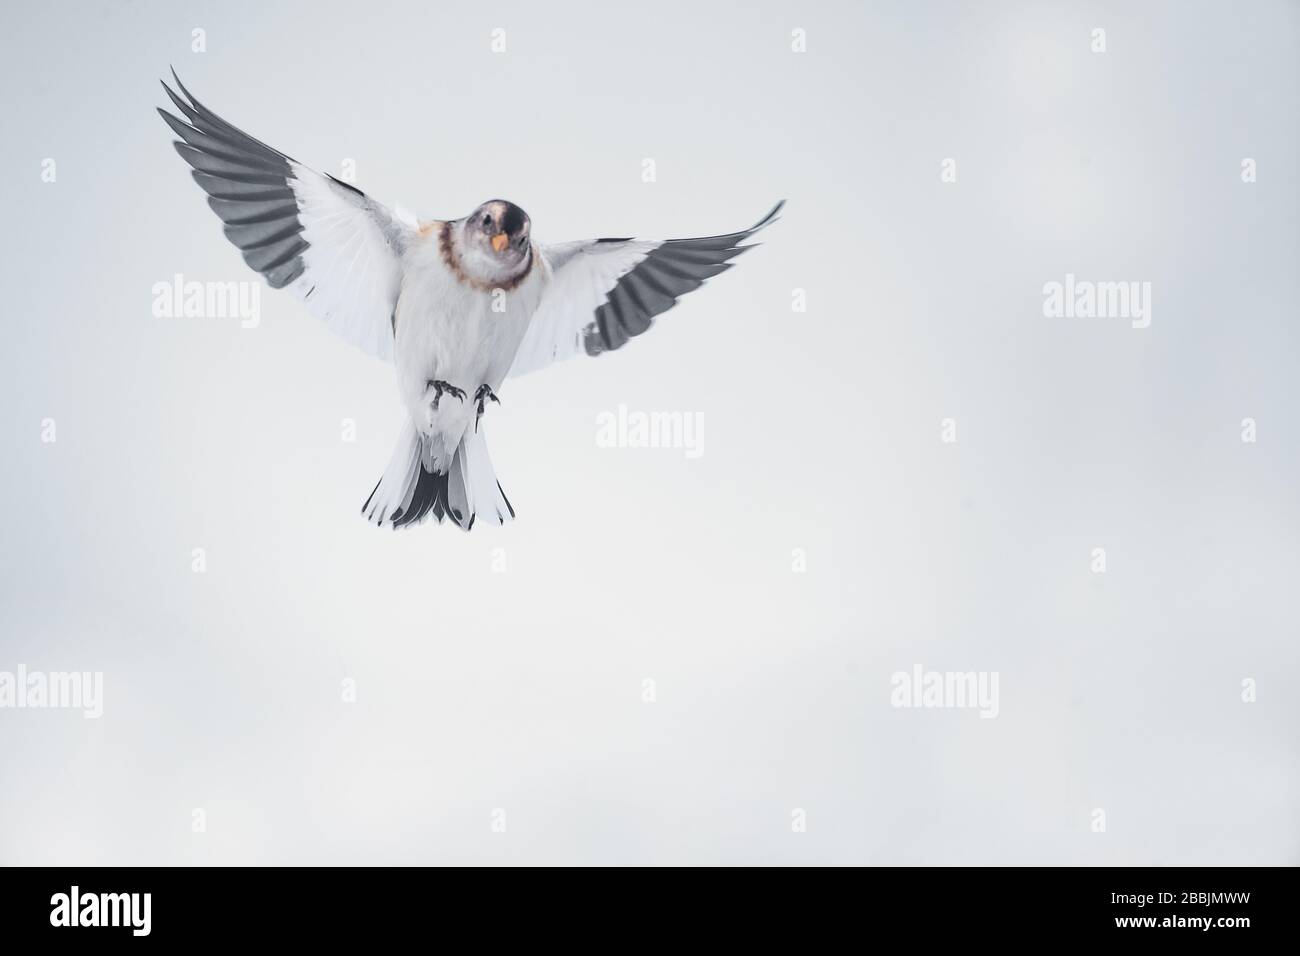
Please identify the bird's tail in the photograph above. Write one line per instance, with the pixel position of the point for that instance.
(411, 489)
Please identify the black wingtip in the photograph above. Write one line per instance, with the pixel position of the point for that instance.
(188, 95)
(175, 79)
(171, 95)
(184, 105)
(770, 218)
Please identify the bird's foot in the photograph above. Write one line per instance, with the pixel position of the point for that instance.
(439, 388)
(483, 394)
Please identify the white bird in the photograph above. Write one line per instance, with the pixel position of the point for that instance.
(457, 305)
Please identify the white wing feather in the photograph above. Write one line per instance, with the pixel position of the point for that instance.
(352, 270)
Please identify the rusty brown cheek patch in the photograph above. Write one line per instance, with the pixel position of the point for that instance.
(453, 264)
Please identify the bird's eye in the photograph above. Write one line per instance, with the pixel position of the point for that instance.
(487, 220)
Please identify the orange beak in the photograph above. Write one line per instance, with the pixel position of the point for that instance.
(500, 241)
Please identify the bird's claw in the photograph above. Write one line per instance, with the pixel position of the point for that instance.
(439, 387)
(481, 396)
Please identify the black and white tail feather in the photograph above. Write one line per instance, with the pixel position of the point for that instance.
(411, 489)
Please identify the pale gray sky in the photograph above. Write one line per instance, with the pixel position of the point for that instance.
(522, 690)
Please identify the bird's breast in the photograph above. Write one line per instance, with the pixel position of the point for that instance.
(448, 330)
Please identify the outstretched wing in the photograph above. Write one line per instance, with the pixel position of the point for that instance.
(332, 245)
(606, 291)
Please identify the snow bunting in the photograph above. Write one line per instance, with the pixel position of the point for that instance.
(457, 305)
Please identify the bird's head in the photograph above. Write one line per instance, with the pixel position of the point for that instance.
(494, 242)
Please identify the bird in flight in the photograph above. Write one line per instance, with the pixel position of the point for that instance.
(456, 305)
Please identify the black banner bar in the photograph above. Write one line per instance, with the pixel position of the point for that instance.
(1147, 905)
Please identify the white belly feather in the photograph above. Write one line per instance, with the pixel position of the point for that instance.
(447, 331)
